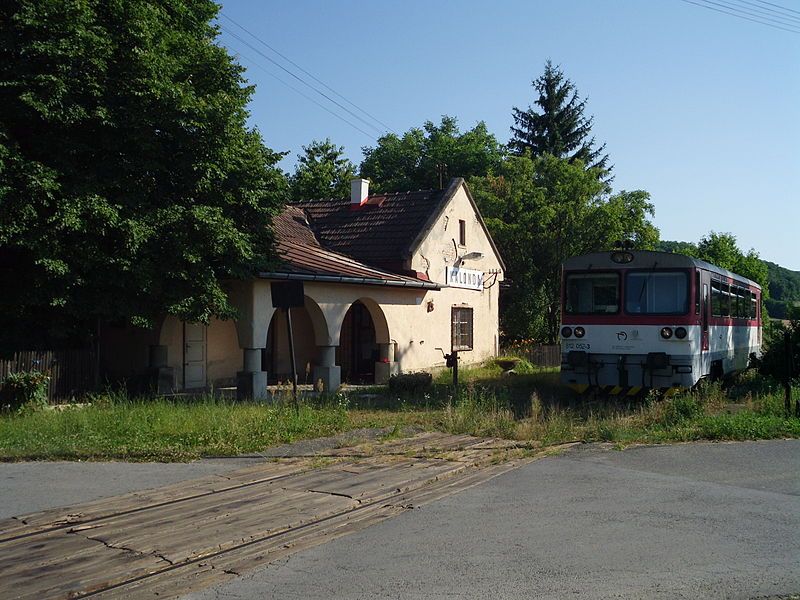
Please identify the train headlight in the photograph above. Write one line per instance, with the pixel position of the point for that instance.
(666, 332)
(580, 332)
(566, 331)
(680, 333)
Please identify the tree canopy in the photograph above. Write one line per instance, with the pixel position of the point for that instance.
(722, 250)
(427, 157)
(541, 211)
(322, 171)
(557, 124)
(130, 184)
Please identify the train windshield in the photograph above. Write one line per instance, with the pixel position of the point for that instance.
(657, 293)
(592, 293)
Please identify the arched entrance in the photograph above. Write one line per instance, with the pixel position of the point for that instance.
(358, 346)
(309, 327)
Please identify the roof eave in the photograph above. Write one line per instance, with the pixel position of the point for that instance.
(427, 285)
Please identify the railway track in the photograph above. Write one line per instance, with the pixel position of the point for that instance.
(167, 542)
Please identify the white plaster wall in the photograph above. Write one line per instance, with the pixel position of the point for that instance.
(223, 355)
(172, 337)
(436, 252)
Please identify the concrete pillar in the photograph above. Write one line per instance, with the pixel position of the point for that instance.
(251, 381)
(252, 300)
(161, 375)
(328, 371)
(385, 367)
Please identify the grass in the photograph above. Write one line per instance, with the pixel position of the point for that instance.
(527, 406)
(114, 427)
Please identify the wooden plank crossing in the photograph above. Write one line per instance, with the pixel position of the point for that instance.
(167, 542)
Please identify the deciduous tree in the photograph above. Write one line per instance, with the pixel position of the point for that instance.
(427, 157)
(722, 250)
(541, 211)
(130, 184)
(322, 171)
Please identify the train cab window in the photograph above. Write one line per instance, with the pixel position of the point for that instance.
(753, 305)
(591, 293)
(657, 292)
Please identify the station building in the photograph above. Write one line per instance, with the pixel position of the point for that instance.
(391, 282)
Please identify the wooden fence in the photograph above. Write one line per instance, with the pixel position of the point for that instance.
(541, 355)
(72, 372)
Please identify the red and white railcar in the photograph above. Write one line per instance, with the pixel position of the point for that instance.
(634, 320)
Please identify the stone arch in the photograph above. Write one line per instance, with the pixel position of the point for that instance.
(310, 330)
(378, 320)
(321, 333)
(363, 337)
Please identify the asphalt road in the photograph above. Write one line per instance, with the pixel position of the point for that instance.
(27, 487)
(687, 521)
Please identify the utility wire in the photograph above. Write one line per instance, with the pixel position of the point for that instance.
(743, 11)
(783, 8)
(307, 97)
(322, 83)
(733, 14)
(301, 80)
(792, 20)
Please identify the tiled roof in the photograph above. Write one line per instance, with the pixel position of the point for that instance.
(302, 257)
(381, 232)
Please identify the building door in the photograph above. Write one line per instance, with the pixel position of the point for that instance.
(358, 351)
(194, 356)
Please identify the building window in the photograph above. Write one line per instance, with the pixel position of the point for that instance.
(461, 328)
(462, 233)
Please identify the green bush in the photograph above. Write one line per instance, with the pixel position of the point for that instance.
(410, 383)
(773, 360)
(24, 388)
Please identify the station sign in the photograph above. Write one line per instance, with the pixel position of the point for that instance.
(463, 278)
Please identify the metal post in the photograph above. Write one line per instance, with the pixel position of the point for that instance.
(291, 355)
(455, 370)
(787, 350)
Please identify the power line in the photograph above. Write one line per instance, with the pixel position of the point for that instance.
(770, 12)
(783, 8)
(742, 11)
(307, 97)
(322, 83)
(733, 14)
(300, 79)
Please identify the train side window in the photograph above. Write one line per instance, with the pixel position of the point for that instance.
(725, 305)
(697, 292)
(743, 302)
(736, 304)
(753, 305)
(716, 299)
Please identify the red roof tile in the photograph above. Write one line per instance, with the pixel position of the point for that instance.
(380, 232)
(302, 256)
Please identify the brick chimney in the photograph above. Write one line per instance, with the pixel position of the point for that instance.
(359, 190)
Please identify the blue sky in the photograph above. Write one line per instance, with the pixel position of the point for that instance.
(699, 108)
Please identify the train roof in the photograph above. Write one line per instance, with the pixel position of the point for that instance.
(649, 259)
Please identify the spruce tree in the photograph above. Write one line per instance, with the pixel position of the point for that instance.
(557, 124)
